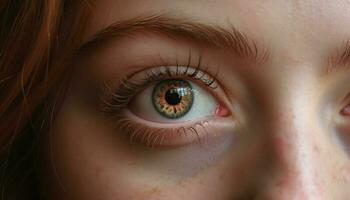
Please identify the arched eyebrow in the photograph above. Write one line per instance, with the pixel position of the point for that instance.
(188, 29)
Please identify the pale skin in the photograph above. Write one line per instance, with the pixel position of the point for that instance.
(293, 138)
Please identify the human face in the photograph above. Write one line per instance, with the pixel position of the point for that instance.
(268, 120)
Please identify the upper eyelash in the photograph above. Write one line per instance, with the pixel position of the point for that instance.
(198, 74)
(128, 87)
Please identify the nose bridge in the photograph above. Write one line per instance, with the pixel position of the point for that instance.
(291, 135)
(291, 160)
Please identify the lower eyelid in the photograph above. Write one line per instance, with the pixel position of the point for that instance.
(176, 134)
(168, 133)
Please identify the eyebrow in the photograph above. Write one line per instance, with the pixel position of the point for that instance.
(189, 29)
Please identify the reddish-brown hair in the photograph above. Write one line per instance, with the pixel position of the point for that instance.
(37, 40)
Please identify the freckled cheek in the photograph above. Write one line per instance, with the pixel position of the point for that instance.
(346, 174)
(88, 163)
(92, 162)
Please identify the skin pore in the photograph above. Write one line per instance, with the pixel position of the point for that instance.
(283, 77)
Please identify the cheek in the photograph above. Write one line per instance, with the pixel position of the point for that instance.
(86, 160)
(92, 162)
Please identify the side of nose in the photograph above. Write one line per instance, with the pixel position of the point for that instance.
(295, 142)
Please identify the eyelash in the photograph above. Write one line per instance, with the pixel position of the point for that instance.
(115, 101)
(164, 137)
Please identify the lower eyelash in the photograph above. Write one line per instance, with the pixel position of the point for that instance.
(139, 133)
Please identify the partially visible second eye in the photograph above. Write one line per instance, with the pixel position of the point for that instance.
(173, 100)
(345, 111)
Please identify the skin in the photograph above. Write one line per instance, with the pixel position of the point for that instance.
(292, 142)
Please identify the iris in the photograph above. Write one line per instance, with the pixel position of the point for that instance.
(173, 98)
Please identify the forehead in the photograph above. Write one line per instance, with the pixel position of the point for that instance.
(294, 30)
(252, 16)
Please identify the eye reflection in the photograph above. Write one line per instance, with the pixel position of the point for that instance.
(173, 98)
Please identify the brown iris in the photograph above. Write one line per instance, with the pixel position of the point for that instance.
(172, 98)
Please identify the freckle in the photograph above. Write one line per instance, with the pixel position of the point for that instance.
(279, 152)
(98, 172)
(151, 193)
(334, 177)
(281, 183)
(222, 176)
(316, 149)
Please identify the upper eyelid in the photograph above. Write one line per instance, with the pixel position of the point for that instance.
(160, 68)
(195, 73)
(191, 62)
(194, 30)
(120, 96)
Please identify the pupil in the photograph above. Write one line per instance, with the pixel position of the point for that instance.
(172, 97)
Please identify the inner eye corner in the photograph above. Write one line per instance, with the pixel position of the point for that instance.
(345, 111)
(222, 110)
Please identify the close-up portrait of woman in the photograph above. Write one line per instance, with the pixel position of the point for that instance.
(175, 100)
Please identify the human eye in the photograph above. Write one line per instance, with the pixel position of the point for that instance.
(167, 106)
(342, 124)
